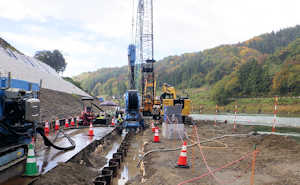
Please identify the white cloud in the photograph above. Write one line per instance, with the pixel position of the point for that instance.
(102, 28)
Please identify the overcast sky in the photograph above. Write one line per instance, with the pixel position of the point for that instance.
(95, 33)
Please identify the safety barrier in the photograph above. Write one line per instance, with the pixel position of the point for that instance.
(62, 123)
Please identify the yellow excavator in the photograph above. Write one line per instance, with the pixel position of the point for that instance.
(149, 97)
(168, 98)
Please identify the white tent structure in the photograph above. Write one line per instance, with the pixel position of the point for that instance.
(32, 70)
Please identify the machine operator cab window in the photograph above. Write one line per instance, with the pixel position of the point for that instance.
(166, 96)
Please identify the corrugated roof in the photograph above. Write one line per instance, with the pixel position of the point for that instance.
(30, 69)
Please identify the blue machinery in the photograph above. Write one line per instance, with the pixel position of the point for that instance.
(19, 118)
(19, 113)
(133, 118)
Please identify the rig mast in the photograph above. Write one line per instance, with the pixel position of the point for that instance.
(145, 52)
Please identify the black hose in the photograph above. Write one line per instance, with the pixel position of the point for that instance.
(47, 142)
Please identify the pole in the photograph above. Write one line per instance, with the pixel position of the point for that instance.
(275, 114)
(216, 115)
(235, 112)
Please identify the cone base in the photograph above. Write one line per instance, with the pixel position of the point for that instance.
(182, 166)
(91, 134)
(31, 175)
(31, 170)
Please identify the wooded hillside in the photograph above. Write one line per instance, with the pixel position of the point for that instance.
(262, 66)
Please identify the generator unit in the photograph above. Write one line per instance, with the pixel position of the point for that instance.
(19, 115)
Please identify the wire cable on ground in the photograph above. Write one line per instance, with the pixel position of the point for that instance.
(217, 169)
(203, 156)
(191, 145)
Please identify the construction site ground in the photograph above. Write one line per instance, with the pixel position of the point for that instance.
(277, 162)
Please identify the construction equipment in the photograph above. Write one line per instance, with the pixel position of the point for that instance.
(149, 93)
(156, 108)
(19, 123)
(19, 114)
(145, 53)
(168, 98)
(88, 115)
(133, 118)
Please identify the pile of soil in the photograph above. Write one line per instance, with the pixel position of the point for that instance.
(61, 105)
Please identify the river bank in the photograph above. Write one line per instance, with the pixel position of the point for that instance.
(202, 102)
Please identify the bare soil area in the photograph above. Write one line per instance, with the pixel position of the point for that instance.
(277, 162)
(60, 105)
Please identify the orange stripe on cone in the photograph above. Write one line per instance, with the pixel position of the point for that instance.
(153, 127)
(72, 122)
(182, 161)
(91, 130)
(56, 124)
(67, 123)
(113, 121)
(156, 136)
(46, 129)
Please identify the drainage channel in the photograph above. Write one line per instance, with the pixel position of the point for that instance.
(128, 169)
(116, 156)
(122, 160)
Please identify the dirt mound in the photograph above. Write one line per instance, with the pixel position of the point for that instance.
(60, 105)
(68, 174)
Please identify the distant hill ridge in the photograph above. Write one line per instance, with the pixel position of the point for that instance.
(221, 69)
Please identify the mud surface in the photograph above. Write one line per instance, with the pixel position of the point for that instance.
(277, 162)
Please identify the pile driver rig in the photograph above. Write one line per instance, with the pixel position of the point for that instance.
(145, 54)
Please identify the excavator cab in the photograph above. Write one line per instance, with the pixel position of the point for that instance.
(168, 98)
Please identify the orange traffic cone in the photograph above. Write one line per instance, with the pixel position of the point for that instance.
(153, 127)
(113, 121)
(46, 129)
(72, 122)
(56, 124)
(156, 136)
(182, 161)
(91, 131)
(67, 123)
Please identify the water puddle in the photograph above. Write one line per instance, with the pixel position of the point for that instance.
(128, 167)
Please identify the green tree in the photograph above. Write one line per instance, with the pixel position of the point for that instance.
(54, 59)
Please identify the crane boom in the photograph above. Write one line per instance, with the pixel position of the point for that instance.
(145, 52)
